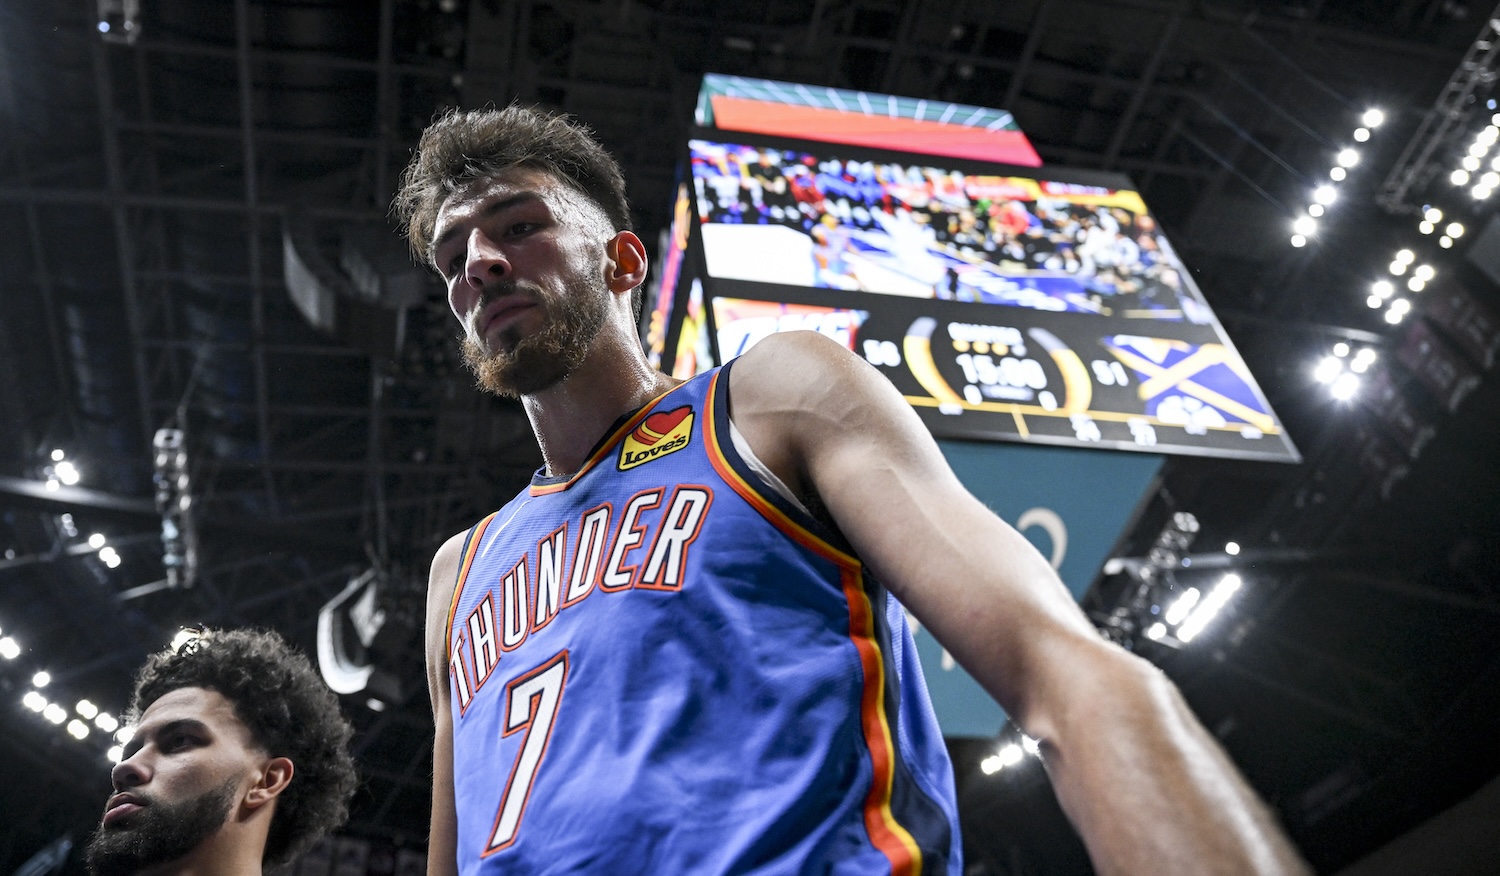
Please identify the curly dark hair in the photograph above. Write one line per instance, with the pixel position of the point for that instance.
(461, 147)
(291, 713)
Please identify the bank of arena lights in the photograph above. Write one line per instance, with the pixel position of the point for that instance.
(1305, 225)
(1340, 371)
(1010, 754)
(1192, 611)
(84, 721)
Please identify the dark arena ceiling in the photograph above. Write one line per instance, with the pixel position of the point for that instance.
(151, 187)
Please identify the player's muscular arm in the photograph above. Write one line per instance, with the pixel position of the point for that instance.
(1146, 786)
(442, 845)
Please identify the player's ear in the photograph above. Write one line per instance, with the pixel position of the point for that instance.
(274, 778)
(627, 261)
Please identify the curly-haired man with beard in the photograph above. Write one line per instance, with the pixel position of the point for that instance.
(239, 760)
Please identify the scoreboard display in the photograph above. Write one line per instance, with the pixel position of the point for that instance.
(1004, 302)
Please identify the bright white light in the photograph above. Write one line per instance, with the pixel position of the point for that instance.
(1406, 256)
(1495, 119)
(115, 753)
(87, 709)
(1416, 284)
(1426, 272)
(1156, 631)
(1361, 134)
(1455, 229)
(55, 713)
(1401, 305)
(1182, 606)
(1348, 157)
(1373, 301)
(1459, 177)
(1445, 242)
(110, 556)
(1341, 349)
(1366, 354)
(1305, 225)
(182, 638)
(1325, 194)
(57, 455)
(1359, 366)
(77, 729)
(1030, 746)
(1477, 149)
(990, 765)
(1489, 179)
(1010, 755)
(1315, 210)
(67, 472)
(1299, 241)
(1489, 133)
(375, 705)
(1337, 174)
(41, 679)
(124, 734)
(53, 485)
(10, 649)
(1394, 316)
(1470, 164)
(106, 722)
(1398, 268)
(1433, 214)
(1344, 387)
(1327, 369)
(96, 540)
(34, 701)
(1232, 548)
(1209, 608)
(1479, 192)
(1372, 118)
(1426, 227)
(1383, 288)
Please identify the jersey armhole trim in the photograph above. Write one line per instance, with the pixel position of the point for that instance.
(470, 551)
(797, 524)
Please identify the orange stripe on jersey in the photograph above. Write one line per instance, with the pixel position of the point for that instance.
(604, 449)
(471, 549)
(886, 834)
(794, 530)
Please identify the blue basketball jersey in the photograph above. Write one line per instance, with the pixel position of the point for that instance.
(660, 664)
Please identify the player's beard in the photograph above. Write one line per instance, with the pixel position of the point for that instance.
(159, 833)
(528, 364)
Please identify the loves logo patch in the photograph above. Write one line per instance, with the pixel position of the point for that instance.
(661, 433)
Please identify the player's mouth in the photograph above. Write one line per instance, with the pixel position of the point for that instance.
(121, 806)
(501, 312)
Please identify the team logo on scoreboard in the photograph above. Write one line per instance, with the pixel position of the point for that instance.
(661, 433)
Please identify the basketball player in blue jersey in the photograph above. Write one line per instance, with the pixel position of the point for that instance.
(681, 650)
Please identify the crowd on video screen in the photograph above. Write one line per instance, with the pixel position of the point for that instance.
(928, 232)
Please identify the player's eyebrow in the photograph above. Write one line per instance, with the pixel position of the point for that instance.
(484, 212)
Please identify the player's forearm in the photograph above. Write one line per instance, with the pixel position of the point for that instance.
(1147, 787)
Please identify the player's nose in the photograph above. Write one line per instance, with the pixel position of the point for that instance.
(484, 262)
(129, 773)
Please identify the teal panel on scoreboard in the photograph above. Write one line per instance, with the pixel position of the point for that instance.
(1071, 504)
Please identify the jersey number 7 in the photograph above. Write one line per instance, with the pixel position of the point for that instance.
(531, 702)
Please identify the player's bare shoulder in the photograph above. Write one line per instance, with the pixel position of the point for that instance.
(790, 373)
(440, 584)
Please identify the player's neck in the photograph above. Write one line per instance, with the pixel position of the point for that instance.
(571, 416)
(218, 856)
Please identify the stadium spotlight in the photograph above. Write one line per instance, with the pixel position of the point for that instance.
(67, 472)
(1470, 164)
(1426, 227)
(1341, 349)
(1305, 225)
(106, 722)
(1361, 134)
(1299, 241)
(10, 649)
(1209, 608)
(1325, 194)
(1416, 284)
(1179, 610)
(1459, 177)
(1382, 288)
(1344, 387)
(87, 709)
(55, 713)
(1348, 157)
(1372, 118)
(1363, 360)
(77, 729)
(1232, 548)
(1315, 210)
(1445, 242)
(1405, 256)
(1328, 369)
(96, 541)
(58, 455)
(1156, 631)
(1374, 301)
(124, 734)
(34, 701)
(115, 754)
(1337, 174)
(1455, 229)
(1398, 268)
(41, 679)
